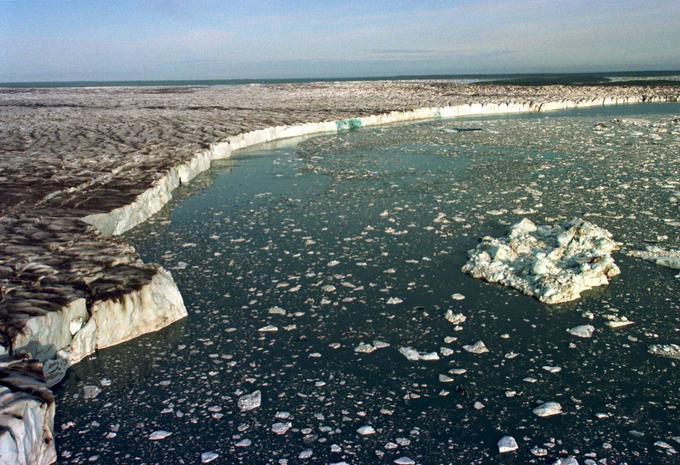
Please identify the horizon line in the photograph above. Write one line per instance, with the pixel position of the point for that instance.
(254, 80)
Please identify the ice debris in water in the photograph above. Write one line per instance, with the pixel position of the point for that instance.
(548, 409)
(618, 322)
(250, 401)
(413, 355)
(405, 461)
(665, 350)
(158, 435)
(669, 258)
(364, 348)
(477, 348)
(584, 331)
(281, 428)
(366, 430)
(90, 392)
(552, 263)
(507, 444)
(207, 457)
(454, 318)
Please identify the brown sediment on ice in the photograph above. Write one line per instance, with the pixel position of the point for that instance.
(112, 156)
(26, 415)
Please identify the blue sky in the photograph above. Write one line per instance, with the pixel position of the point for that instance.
(210, 39)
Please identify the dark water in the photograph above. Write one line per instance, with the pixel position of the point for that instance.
(332, 228)
(671, 78)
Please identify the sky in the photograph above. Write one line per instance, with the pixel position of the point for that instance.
(67, 40)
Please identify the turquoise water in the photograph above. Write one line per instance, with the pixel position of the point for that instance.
(331, 229)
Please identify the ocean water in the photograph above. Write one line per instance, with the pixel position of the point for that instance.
(639, 78)
(331, 240)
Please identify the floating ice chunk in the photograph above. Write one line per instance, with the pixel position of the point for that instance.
(90, 392)
(507, 444)
(281, 428)
(663, 445)
(454, 318)
(441, 219)
(332, 263)
(364, 348)
(665, 350)
(619, 322)
(548, 409)
(207, 457)
(158, 435)
(539, 451)
(366, 430)
(669, 258)
(380, 344)
(250, 401)
(244, 443)
(276, 310)
(405, 461)
(413, 355)
(663, 257)
(445, 379)
(394, 301)
(305, 454)
(476, 348)
(550, 369)
(567, 461)
(552, 263)
(584, 331)
(457, 296)
(268, 329)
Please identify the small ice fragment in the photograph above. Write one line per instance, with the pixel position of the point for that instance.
(476, 348)
(158, 435)
(584, 331)
(207, 457)
(268, 329)
(548, 409)
(250, 401)
(364, 348)
(366, 430)
(90, 392)
(281, 428)
(405, 461)
(305, 454)
(507, 444)
(454, 318)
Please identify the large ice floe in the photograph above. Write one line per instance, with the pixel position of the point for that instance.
(553, 263)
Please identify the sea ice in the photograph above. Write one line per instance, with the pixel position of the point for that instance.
(507, 444)
(552, 263)
(250, 401)
(548, 409)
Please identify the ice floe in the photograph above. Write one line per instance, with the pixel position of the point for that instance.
(552, 263)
